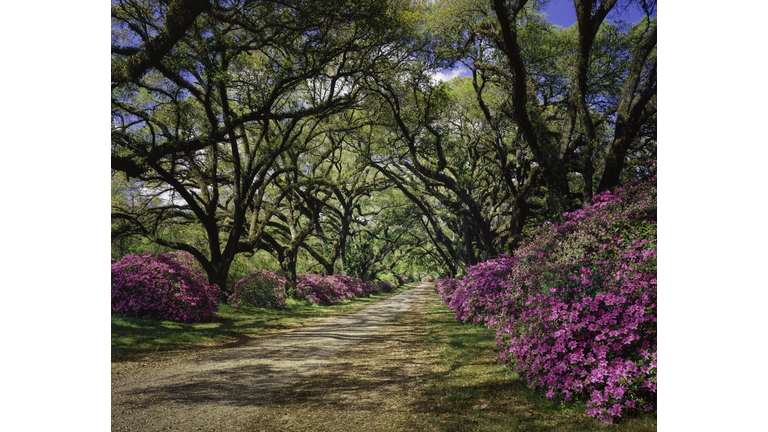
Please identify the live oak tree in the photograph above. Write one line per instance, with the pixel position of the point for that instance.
(635, 106)
(566, 88)
(158, 26)
(205, 104)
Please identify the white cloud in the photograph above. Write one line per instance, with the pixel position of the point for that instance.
(445, 75)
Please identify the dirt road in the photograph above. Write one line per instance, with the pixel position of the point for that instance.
(356, 373)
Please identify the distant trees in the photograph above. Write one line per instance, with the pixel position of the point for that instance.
(444, 149)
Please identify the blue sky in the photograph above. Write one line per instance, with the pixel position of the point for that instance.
(563, 13)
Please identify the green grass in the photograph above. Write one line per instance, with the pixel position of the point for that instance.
(469, 391)
(135, 336)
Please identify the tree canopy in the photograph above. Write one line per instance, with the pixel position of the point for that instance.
(313, 133)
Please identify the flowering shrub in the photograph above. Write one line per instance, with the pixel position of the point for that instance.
(329, 289)
(485, 283)
(262, 288)
(352, 286)
(163, 287)
(446, 287)
(575, 310)
(316, 289)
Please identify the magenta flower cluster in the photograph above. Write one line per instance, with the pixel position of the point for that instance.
(163, 287)
(329, 289)
(479, 293)
(575, 310)
(446, 288)
(261, 288)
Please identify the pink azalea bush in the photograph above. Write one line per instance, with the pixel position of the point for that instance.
(319, 289)
(445, 288)
(327, 290)
(352, 286)
(163, 287)
(481, 290)
(262, 288)
(575, 309)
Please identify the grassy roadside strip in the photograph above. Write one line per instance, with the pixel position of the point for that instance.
(133, 337)
(472, 392)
